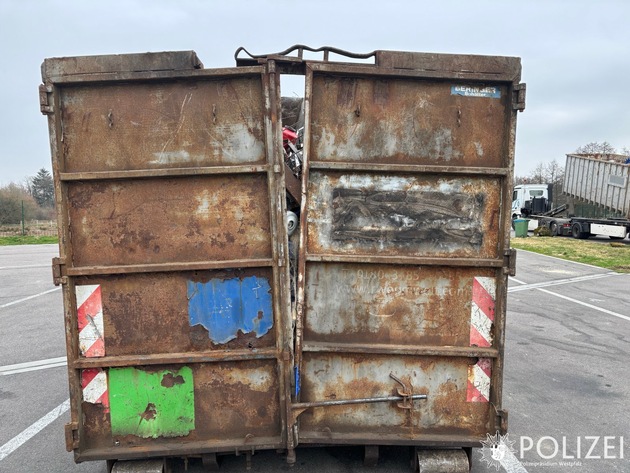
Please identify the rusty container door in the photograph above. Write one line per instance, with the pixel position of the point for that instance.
(172, 254)
(405, 249)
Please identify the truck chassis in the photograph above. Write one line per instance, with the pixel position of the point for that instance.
(583, 228)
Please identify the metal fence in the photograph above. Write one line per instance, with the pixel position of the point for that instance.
(30, 228)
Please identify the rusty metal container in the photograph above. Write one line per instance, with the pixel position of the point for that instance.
(184, 335)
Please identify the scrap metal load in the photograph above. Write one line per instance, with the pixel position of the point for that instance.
(187, 335)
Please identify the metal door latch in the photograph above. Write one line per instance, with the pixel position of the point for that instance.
(406, 392)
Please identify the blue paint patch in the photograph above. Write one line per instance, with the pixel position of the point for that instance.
(471, 91)
(224, 307)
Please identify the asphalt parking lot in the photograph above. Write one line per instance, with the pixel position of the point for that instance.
(566, 374)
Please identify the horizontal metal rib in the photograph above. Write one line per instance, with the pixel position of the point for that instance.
(407, 168)
(161, 449)
(168, 75)
(153, 173)
(167, 267)
(177, 358)
(383, 438)
(407, 260)
(413, 350)
(373, 71)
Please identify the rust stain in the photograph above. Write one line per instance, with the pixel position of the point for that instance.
(129, 223)
(400, 215)
(239, 399)
(179, 114)
(149, 413)
(385, 304)
(168, 381)
(406, 122)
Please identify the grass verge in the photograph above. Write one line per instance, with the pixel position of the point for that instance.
(613, 256)
(27, 240)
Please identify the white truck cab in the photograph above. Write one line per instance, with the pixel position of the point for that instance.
(523, 198)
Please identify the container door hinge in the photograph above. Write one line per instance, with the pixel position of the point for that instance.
(45, 94)
(72, 436)
(509, 264)
(518, 99)
(59, 271)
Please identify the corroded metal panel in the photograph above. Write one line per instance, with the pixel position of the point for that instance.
(446, 410)
(223, 404)
(149, 314)
(367, 214)
(396, 121)
(241, 401)
(183, 124)
(170, 220)
(389, 304)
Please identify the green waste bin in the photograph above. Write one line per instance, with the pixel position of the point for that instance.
(520, 227)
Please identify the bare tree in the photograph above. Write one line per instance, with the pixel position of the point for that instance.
(554, 172)
(544, 173)
(537, 176)
(596, 148)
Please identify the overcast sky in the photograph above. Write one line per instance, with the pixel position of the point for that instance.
(575, 54)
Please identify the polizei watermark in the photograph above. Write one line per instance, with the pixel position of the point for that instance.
(499, 450)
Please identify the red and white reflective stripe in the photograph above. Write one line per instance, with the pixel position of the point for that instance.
(90, 320)
(482, 311)
(94, 385)
(479, 381)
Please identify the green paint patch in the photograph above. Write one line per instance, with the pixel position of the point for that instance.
(152, 404)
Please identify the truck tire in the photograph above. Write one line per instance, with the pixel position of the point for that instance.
(576, 232)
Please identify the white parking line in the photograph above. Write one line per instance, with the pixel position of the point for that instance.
(33, 366)
(590, 306)
(26, 266)
(8, 304)
(30, 432)
(570, 299)
(559, 282)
